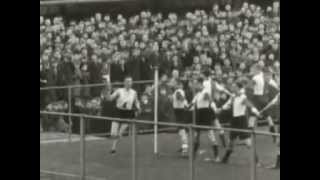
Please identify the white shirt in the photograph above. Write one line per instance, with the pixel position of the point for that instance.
(258, 87)
(238, 104)
(201, 103)
(178, 104)
(239, 108)
(125, 98)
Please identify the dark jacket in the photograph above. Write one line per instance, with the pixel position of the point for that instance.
(51, 76)
(133, 68)
(95, 77)
(146, 69)
(65, 73)
(165, 65)
(42, 92)
(117, 72)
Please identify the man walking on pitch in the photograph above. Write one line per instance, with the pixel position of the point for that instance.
(205, 112)
(179, 106)
(262, 85)
(126, 103)
(240, 106)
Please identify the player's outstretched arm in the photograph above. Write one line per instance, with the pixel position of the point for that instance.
(114, 95)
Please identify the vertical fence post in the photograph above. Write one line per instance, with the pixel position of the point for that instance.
(134, 151)
(70, 111)
(194, 115)
(156, 92)
(191, 153)
(82, 149)
(254, 160)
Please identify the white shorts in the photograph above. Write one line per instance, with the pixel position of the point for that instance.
(117, 129)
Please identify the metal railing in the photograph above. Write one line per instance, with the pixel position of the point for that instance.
(134, 122)
(69, 91)
(91, 85)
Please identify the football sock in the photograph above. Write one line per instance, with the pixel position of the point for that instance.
(223, 140)
(272, 129)
(226, 156)
(278, 161)
(215, 150)
(195, 148)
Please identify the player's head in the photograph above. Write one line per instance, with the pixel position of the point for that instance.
(128, 82)
(199, 84)
(238, 87)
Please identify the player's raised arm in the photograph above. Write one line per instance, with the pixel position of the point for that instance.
(114, 95)
(228, 104)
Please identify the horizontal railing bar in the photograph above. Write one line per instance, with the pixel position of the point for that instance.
(143, 131)
(92, 85)
(159, 123)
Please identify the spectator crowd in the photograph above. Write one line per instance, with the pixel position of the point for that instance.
(102, 48)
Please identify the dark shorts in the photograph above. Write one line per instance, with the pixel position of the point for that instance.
(181, 116)
(239, 123)
(204, 117)
(126, 114)
(259, 101)
(225, 116)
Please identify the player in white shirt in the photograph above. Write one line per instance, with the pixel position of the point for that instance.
(126, 103)
(275, 103)
(262, 82)
(205, 110)
(212, 88)
(240, 106)
(179, 106)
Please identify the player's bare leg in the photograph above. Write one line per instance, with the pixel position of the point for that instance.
(215, 147)
(248, 142)
(229, 151)
(118, 136)
(196, 142)
(184, 141)
(277, 163)
(221, 133)
(272, 128)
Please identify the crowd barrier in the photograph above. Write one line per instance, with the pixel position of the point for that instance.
(133, 122)
(70, 101)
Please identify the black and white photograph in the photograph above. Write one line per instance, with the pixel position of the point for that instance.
(160, 89)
